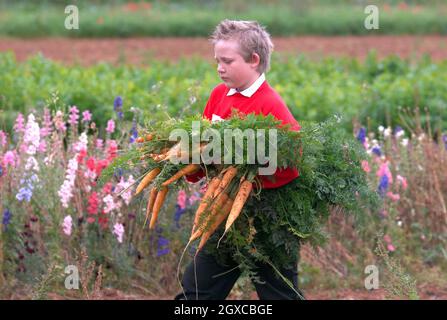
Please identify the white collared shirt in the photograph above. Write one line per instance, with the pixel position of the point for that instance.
(251, 89)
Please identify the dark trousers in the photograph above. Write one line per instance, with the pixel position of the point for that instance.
(215, 281)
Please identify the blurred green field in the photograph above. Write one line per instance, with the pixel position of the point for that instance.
(373, 91)
(198, 18)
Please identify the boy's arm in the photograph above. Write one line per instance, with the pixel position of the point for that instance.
(196, 177)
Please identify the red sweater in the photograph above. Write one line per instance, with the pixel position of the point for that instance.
(265, 100)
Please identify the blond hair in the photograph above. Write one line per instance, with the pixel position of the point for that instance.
(252, 38)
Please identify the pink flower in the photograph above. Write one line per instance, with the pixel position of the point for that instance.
(2, 139)
(74, 116)
(42, 146)
(181, 199)
(91, 220)
(86, 116)
(384, 170)
(365, 166)
(9, 158)
(195, 197)
(390, 247)
(110, 126)
(393, 196)
(383, 213)
(387, 238)
(403, 182)
(118, 230)
(67, 225)
(19, 126)
(127, 195)
(46, 130)
(59, 122)
(99, 143)
(110, 204)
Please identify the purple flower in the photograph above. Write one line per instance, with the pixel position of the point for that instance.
(177, 215)
(361, 135)
(24, 194)
(6, 218)
(397, 130)
(118, 173)
(133, 132)
(1, 170)
(117, 103)
(163, 246)
(118, 107)
(376, 150)
(383, 185)
(444, 139)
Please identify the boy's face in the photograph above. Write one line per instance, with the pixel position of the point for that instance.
(234, 71)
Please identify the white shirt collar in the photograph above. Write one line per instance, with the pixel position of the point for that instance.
(250, 90)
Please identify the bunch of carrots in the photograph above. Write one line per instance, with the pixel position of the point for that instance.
(224, 198)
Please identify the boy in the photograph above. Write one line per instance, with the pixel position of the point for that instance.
(242, 50)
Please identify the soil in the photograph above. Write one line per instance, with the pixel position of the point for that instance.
(142, 50)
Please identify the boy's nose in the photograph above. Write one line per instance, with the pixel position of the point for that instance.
(220, 69)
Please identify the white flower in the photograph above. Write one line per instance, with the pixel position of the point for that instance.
(118, 230)
(31, 163)
(404, 142)
(387, 132)
(381, 128)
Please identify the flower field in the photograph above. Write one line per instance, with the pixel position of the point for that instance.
(55, 214)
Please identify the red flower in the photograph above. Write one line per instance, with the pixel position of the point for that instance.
(107, 188)
(103, 221)
(112, 150)
(92, 207)
(100, 165)
(91, 163)
(82, 154)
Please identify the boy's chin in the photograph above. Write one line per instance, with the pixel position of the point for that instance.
(229, 84)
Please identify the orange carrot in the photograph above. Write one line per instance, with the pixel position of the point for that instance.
(161, 196)
(239, 201)
(207, 197)
(215, 207)
(230, 173)
(150, 202)
(188, 169)
(218, 219)
(147, 180)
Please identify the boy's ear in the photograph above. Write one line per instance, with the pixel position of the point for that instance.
(255, 60)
